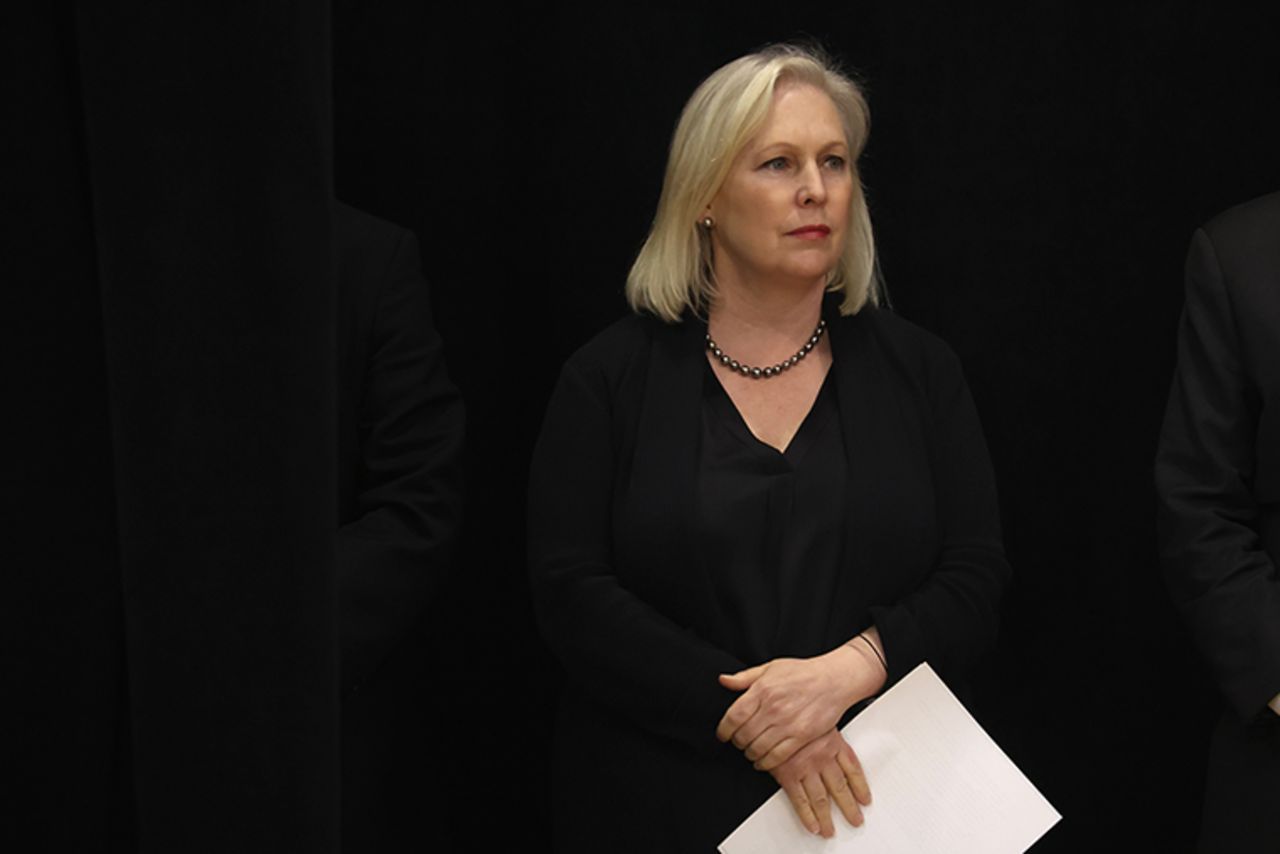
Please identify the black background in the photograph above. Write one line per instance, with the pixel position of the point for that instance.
(1034, 176)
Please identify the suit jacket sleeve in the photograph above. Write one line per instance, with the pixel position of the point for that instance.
(616, 647)
(409, 502)
(1220, 577)
(951, 618)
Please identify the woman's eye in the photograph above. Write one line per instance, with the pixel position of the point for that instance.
(835, 162)
(777, 164)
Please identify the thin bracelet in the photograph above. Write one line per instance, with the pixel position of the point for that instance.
(874, 651)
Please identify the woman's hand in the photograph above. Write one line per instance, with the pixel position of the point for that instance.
(788, 702)
(824, 770)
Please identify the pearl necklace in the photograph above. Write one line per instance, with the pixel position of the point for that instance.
(773, 370)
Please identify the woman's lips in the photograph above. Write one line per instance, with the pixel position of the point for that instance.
(810, 232)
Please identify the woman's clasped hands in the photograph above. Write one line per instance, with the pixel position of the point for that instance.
(785, 720)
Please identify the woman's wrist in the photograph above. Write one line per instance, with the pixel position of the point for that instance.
(861, 674)
(872, 646)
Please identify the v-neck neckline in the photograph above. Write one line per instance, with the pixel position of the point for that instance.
(820, 412)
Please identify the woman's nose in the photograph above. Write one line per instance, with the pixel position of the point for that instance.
(812, 190)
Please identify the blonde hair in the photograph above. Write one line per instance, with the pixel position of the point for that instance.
(672, 272)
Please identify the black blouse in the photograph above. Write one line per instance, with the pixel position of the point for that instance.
(768, 521)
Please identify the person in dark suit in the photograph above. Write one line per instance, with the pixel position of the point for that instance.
(400, 434)
(1217, 475)
(760, 499)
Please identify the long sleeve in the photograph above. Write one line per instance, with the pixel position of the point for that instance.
(615, 647)
(409, 499)
(1220, 577)
(953, 615)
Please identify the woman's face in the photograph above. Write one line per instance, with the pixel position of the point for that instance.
(782, 214)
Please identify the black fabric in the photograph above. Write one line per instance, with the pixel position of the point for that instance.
(400, 431)
(1240, 815)
(619, 585)
(170, 589)
(1217, 475)
(61, 614)
(768, 523)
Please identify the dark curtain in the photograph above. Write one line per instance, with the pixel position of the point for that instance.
(169, 605)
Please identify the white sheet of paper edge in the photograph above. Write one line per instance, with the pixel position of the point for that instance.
(938, 784)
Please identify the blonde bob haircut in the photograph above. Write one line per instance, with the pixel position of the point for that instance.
(673, 271)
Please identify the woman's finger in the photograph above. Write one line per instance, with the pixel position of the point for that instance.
(852, 768)
(800, 803)
(837, 784)
(820, 802)
(742, 710)
(741, 680)
(765, 739)
(777, 753)
(751, 731)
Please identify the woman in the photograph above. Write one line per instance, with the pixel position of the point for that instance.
(761, 499)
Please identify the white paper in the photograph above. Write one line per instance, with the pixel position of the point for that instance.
(938, 784)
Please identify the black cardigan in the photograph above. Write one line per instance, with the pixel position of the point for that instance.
(622, 597)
